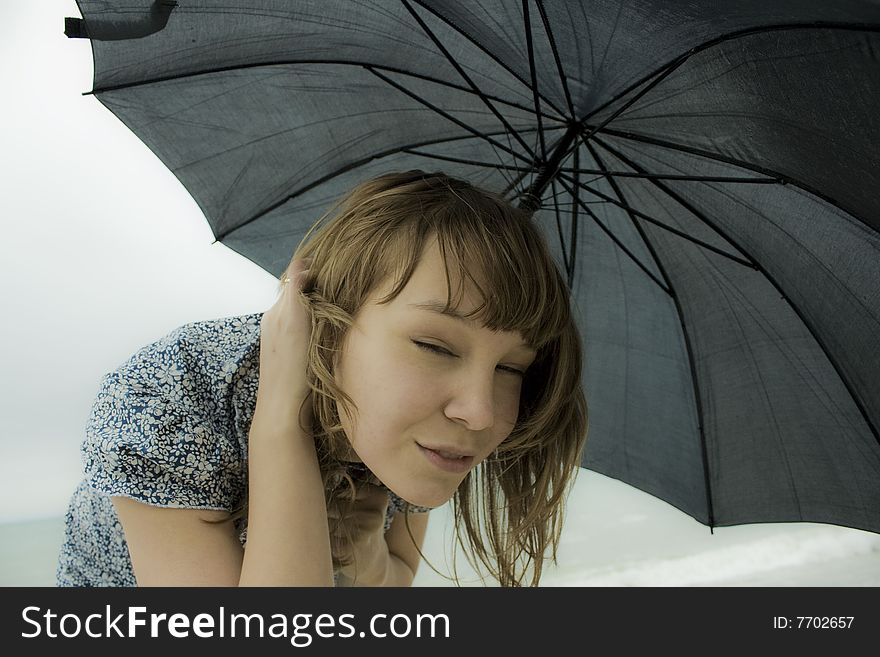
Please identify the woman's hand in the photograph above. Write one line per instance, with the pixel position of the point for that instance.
(366, 523)
(284, 340)
(287, 544)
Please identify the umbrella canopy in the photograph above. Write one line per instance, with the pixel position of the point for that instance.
(706, 175)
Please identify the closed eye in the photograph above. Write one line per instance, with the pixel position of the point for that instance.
(444, 352)
(432, 347)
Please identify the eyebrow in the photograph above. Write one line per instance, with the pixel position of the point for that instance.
(440, 308)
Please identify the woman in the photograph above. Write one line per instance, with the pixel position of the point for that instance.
(421, 349)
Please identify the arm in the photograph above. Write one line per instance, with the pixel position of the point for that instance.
(288, 536)
(173, 547)
(288, 533)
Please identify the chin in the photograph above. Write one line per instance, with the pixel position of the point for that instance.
(423, 497)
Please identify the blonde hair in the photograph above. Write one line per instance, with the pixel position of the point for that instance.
(379, 231)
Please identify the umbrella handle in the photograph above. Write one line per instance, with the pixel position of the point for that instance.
(120, 30)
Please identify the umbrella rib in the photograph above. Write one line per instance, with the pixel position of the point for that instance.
(557, 194)
(666, 227)
(855, 397)
(615, 240)
(574, 218)
(684, 330)
(512, 185)
(780, 178)
(539, 137)
(527, 29)
(448, 116)
(334, 62)
(501, 170)
(461, 160)
(466, 77)
(499, 157)
(661, 75)
(459, 87)
(571, 203)
(487, 52)
(551, 167)
(681, 201)
(664, 176)
(680, 59)
(531, 198)
(556, 147)
(552, 41)
(339, 172)
(559, 234)
(622, 203)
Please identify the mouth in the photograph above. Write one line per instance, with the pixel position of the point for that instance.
(448, 461)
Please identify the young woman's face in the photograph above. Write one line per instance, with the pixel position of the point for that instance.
(463, 397)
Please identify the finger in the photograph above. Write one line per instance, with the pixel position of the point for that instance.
(296, 271)
(295, 279)
(300, 269)
(291, 291)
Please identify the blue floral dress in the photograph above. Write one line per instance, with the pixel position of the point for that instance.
(168, 428)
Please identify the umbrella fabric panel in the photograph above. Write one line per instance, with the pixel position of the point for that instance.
(637, 378)
(749, 100)
(771, 403)
(270, 241)
(194, 38)
(825, 263)
(644, 419)
(611, 45)
(276, 130)
(223, 34)
(614, 42)
(751, 352)
(730, 369)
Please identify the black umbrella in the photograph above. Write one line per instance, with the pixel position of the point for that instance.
(707, 175)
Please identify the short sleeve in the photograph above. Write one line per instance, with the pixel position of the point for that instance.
(143, 444)
(399, 504)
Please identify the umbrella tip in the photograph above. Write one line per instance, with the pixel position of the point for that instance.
(75, 28)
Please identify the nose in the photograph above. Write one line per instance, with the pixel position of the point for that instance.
(473, 401)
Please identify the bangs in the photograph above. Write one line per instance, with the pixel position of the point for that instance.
(494, 251)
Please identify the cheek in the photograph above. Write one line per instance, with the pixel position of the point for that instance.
(387, 387)
(408, 385)
(507, 399)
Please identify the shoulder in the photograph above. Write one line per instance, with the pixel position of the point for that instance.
(181, 366)
(226, 336)
(164, 425)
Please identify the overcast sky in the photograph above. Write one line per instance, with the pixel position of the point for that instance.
(103, 251)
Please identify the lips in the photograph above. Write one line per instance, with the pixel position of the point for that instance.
(458, 465)
(446, 452)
